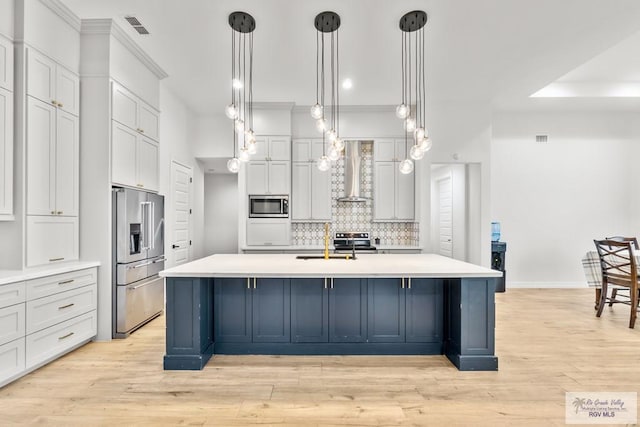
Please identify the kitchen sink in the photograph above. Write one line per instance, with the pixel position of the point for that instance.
(322, 257)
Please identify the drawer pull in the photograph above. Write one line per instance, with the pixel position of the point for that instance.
(66, 306)
(55, 259)
(65, 282)
(65, 336)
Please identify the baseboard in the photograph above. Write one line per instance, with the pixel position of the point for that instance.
(545, 285)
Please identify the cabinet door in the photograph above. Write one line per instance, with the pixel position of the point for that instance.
(301, 150)
(12, 359)
(400, 152)
(6, 153)
(317, 147)
(405, 195)
(309, 310)
(301, 190)
(320, 194)
(279, 148)
(386, 310)
(257, 176)
(147, 164)
(41, 77)
(67, 164)
(41, 125)
(149, 121)
(51, 239)
(384, 150)
(67, 90)
(268, 232)
(6, 64)
(424, 310)
(123, 155)
(262, 149)
(232, 310)
(348, 310)
(124, 107)
(383, 191)
(279, 182)
(271, 310)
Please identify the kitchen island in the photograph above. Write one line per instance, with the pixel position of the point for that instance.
(376, 304)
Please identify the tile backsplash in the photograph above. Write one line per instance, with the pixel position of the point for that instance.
(355, 216)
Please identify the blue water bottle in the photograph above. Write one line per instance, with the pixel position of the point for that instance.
(495, 231)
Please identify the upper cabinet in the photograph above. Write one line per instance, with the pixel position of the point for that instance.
(272, 148)
(6, 154)
(52, 83)
(6, 64)
(134, 113)
(135, 159)
(268, 171)
(310, 187)
(394, 192)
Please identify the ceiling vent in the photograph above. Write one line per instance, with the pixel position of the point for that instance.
(136, 24)
(542, 138)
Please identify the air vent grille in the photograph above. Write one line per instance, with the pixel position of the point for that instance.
(542, 138)
(136, 24)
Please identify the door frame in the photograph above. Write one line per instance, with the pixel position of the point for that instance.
(171, 217)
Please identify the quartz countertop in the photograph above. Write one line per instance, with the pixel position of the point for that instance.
(11, 276)
(366, 265)
(294, 248)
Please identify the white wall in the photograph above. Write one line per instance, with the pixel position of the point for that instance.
(553, 199)
(221, 214)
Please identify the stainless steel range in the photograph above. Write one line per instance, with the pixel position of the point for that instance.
(346, 242)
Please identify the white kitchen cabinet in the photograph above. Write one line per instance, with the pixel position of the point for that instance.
(134, 113)
(394, 192)
(51, 239)
(272, 148)
(52, 83)
(12, 323)
(306, 150)
(6, 154)
(268, 177)
(12, 360)
(52, 160)
(6, 64)
(134, 161)
(268, 232)
(310, 193)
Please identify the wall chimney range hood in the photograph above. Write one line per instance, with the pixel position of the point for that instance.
(352, 166)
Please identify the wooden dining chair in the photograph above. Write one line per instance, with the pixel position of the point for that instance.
(614, 291)
(619, 268)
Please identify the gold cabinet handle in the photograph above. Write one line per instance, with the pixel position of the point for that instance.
(140, 130)
(65, 282)
(55, 259)
(139, 185)
(59, 212)
(66, 306)
(65, 336)
(53, 212)
(53, 101)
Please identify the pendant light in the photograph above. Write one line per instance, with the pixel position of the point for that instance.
(327, 117)
(240, 110)
(413, 89)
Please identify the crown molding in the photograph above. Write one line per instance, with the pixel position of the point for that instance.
(352, 108)
(60, 9)
(110, 27)
(274, 106)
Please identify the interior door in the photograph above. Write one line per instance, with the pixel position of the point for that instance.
(445, 217)
(181, 213)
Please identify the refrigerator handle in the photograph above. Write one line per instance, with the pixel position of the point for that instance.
(152, 221)
(145, 225)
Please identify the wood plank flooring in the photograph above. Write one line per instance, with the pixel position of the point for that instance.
(548, 342)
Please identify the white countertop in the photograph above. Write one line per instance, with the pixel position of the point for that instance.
(320, 248)
(366, 265)
(12, 276)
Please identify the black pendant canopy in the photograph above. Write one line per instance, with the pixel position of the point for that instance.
(413, 21)
(242, 22)
(327, 22)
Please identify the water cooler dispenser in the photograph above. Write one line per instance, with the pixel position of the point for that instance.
(498, 250)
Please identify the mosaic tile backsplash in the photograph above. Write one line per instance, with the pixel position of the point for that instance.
(355, 216)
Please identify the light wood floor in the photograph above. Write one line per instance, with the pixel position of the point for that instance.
(548, 342)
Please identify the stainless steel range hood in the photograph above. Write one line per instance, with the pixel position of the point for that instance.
(352, 166)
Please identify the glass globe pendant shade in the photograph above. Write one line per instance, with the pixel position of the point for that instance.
(406, 166)
(323, 163)
(426, 145)
(237, 84)
(421, 133)
(331, 135)
(244, 154)
(321, 125)
(249, 136)
(316, 111)
(252, 148)
(231, 111)
(339, 144)
(233, 165)
(334, 154)
(410, 124)
(416, 152)
(239, 124)
(402, 111)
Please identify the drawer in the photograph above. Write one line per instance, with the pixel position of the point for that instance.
(47, 311)
(13, 293)
(51, 342)
(11, 323)
(50, 285)
(12, 360)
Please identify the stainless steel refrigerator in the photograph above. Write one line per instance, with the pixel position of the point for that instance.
(138, 256)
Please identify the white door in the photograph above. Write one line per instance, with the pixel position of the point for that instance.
(180, 242)
(445, 217)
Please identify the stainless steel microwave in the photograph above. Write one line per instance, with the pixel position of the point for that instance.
(269, 206)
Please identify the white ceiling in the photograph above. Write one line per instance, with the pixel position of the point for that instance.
(499, 51)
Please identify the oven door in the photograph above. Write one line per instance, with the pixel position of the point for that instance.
(268, 207)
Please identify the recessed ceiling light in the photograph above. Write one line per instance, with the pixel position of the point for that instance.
(347, 84)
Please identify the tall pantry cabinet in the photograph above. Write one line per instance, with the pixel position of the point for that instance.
(6, 128)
